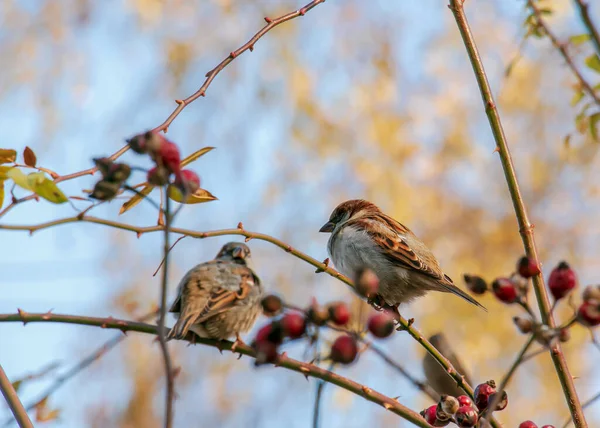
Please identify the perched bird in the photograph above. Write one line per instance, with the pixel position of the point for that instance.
(436, 375)
(220, 298)
(363, 237)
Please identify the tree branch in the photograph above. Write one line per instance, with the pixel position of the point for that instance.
(583, 8)
(525, 227)
(12, 399)
(306, 369)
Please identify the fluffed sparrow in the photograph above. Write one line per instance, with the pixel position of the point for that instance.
(436, 375)
(364, 237)
(220, 298)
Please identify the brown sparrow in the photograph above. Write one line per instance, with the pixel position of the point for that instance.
(220, 298)
(364, 237)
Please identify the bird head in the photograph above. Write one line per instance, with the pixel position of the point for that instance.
(345, 211)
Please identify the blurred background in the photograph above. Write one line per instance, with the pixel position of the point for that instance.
(375, 100)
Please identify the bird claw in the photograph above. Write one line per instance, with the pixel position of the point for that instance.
(238, 342)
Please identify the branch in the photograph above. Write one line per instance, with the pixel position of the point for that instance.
(583, 8)
(562, 48)
(181, 104)
(170, 394)
(584, 406)
(306, 369)
(525, 228)
(12, 399)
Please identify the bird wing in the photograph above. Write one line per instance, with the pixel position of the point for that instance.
(209, 290)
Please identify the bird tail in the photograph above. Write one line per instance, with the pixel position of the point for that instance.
(449, 287)
(182, 326)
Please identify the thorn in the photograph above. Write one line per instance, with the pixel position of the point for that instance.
(289, 249)
(139, 234)
(124, 332)
(175, 372)
(496, 150)
(268, 20)
(305, 371)
(240, 226)
(179, 101)
(30, 232)
(367, 390)
(248, 238)
(220, 347)
(203, 93)
(387, 406)
(251, 48)
(240, 356)
(411, 321)
(232, 55)
(326, 263)
(22, 315)
(302, 11)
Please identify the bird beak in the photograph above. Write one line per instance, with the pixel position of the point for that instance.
(238, 253)
(327, 227)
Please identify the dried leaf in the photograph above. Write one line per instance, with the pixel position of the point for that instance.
(136, 199)
(29, 157)
(7, 155)
(198, 197)
(593, 62)
(46, 188)
(196, 155)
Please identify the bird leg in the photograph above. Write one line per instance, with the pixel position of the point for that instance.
(238, 342)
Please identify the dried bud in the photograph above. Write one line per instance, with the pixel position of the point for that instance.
(521, 283)
(528, 267)
(344, 350)
(591, 292)
(527, 424)
(317, 315)
(475, 284)
(138, 144)
(544, 335)
(505, 290)
(564, 335)
(293, 325)
(562, 280)
(105, 190)
(588, 313)
(367, 283)
(339, 314)
(271, 305)
(430, 415)
(448, 404)
(103, 165)
(482, 394)
(524, 324)
(466, 417)
(381, 324)
(158, 176)
(502, 402)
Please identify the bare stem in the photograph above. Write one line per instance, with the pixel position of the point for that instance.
(583, 8)
(12, 399)
(584, 406)
(525, 227)
(306, 369)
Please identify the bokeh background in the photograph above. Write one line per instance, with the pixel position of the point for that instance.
(356, 99)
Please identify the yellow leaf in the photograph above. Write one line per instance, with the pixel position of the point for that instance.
(19, 178)
(7, 155)
(136, 199)
(3, 171)
(1, 193)
(198, 197)
(44, 187)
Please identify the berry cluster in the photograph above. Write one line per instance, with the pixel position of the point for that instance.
(167, 160)
(462, 410)
(297, 323)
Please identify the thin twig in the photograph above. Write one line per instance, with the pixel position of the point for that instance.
(562, 48)
(318, 396)
(583, 406)
(163, 259)
(170, 393)
(525, 227)
(15, 405)
(181, 104)
(583, 8)
(306, 369)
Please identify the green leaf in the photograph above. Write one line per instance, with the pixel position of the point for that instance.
(594, 119)
(577, 96)
(579, 39)
(593, 62)
(7, 155)
(46, 188)
(136, 199)
(198, 197)
(19, 178)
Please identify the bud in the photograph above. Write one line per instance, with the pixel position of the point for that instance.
(344, 350)
(381, 324)
(505, 290)
(367, 283)
(105, 190)
(475, 284)
(528, 267)
(466, 417)
(339, 313)
(293, 325)
(271, 305)
(562, 280)
(524, 324)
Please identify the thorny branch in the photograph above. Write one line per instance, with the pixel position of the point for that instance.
(306, 369)
(15, 405)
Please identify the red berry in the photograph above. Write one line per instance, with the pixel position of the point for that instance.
(548, 426)
(271, 305)
(528, 424)
(367, 283)
(564, 335)
(466, 417)
(502, 402)
(269, 333)
(464, 400)
(482, 394)
(138, 144)
(562, 280)
(381, 325)
(339, 313)
(528, 267)
(505, 290)
(344, 350)
(475, 284)
(158, 176)
(189, 179)
(266, 352)
(168, 156)
(430, 415)
(588, 313)
(293, 325)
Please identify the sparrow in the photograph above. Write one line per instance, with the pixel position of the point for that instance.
(436, 375)
(363, 237)
(219, 298)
